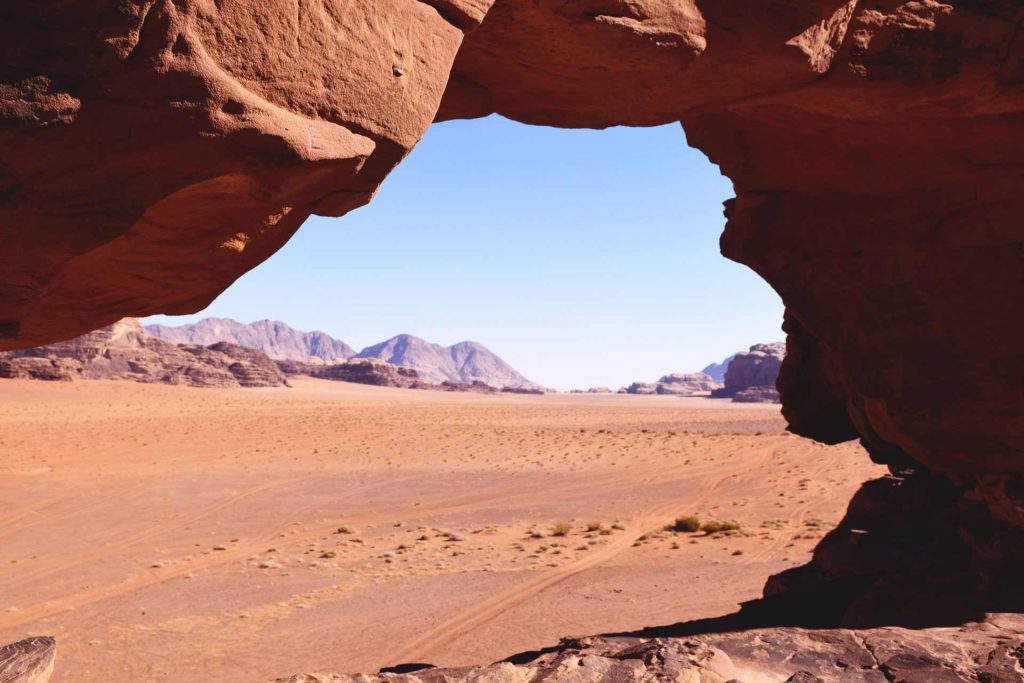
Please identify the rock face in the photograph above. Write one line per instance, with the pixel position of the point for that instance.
(122, 351)
(28, 661)
(758, 367)
(462, 363)
(273, 337)
(153, 152)
(791, 655)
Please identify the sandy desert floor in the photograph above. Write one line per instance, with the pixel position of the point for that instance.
(166, 533)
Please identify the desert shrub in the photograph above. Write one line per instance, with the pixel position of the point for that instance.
(595, 526)
(561, 529)
(687, 524)
(715, 527)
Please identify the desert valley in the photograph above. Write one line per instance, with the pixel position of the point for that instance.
(170, 533)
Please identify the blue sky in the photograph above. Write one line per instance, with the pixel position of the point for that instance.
(581, 257)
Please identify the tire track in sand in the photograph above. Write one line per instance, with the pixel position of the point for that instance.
(422, 647)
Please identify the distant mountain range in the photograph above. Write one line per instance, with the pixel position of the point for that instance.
(716, 371)
(464, 363)
(274, 338)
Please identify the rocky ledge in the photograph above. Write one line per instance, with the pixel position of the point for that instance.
(990, 651)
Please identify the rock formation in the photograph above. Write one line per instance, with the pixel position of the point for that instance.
(275, 338)
(642, 388)
(123, 351)
(358, 371)
(759, 394)
(793, 655)
(758, 367)
(155, 151)
(462, 363)
(677, 384)
(28, 661)
(686, 384)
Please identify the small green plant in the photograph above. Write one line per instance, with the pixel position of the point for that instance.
(717, 527)
(561, 529)
(686, 525)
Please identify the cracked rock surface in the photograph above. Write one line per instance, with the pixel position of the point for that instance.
(991, 651)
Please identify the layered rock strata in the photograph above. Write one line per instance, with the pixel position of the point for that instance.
(123, 351)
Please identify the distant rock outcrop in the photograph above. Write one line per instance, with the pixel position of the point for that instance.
(123, 351)
(462, 363)
(275, 338)
(687, 384)
(676, 384)
(591, 390)
(357, 371)
(757, 395)
(758, 367)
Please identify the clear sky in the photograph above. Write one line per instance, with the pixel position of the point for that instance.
(580, 257)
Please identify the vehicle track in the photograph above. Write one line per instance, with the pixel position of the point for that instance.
(423, 647)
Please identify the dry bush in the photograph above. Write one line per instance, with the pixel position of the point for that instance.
(687, 524)
(717, 527)
(561, 529)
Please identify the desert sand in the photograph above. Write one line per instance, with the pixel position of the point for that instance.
(169, 533)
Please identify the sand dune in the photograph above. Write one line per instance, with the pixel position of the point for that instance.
(167, 533)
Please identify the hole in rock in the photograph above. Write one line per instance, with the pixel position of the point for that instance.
(581, 257)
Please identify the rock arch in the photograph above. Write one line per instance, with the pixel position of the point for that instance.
(156, 150)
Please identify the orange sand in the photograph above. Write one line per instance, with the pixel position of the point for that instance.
(165, 533)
